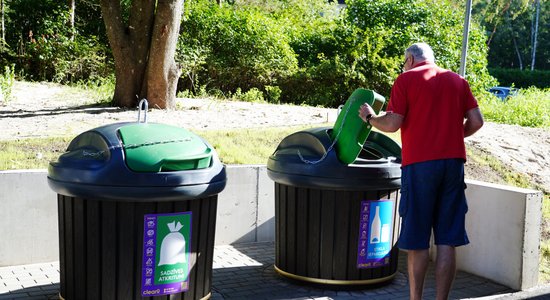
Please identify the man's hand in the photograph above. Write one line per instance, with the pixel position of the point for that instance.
(364, 111)
(389, 122)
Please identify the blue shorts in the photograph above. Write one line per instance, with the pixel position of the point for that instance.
(432, 197)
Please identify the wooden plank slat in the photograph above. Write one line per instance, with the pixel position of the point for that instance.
(202, 231)
(301, 231)
(62, 241)
(108, 250)
(353, 273)
(69, 248)
(79, 248)
(341, 236)
(126, 250)
(209, 252)
(327, 232)
(314, 233)
(282, 224)
(195, 207)
(93, 249)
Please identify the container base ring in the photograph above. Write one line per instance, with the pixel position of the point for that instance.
(333, 282)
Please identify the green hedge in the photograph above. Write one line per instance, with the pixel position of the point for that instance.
(521, 78)
(312, 52)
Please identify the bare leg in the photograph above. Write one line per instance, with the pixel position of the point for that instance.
(445, 269)
(417, 265)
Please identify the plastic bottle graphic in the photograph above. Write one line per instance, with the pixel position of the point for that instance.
(385, 233)
(375, 227)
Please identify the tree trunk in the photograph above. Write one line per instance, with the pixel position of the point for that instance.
(517, 52)
(162, 70)
(3, 25)
(72, 8)
(509, 21)
(144, 50)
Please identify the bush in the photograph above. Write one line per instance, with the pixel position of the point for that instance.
(237, 48)
(6, 83)
(522, 79)
(42, 41)
(61, 60)
(529, 108)
(253, 95)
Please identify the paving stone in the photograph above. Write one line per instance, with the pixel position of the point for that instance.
(246, 271)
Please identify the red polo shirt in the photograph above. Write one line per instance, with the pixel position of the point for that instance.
(433, 102)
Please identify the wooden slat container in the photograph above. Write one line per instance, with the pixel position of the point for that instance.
(100, 244)
(317, 235)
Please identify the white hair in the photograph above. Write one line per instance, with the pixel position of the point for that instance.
(420, 52)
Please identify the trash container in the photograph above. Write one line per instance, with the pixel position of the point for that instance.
(137, 212)
(336, 223)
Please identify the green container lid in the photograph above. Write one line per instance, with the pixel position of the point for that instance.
(152, 147)
(349, 129)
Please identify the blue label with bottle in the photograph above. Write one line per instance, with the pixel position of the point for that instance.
(375, 233)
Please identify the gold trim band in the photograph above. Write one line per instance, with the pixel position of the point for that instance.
(334, 282)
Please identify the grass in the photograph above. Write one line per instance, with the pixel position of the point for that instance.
(530, 108)
(248, 146)
(242, 146)
(237, 146)
(498, 169)
(31, 153)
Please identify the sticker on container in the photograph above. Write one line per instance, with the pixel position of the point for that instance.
(166, 248)
(375, 233)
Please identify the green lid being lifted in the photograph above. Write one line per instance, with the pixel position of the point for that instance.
(162, 148)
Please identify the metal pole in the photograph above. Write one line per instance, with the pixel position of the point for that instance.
(462, 71)
(537, 3)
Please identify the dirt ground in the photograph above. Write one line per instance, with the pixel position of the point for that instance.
(40, 110)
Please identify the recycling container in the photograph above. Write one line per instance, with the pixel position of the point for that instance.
(336, 223)
(137, 213)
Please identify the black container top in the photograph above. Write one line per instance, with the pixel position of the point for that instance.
(303, 159)
(138, 162)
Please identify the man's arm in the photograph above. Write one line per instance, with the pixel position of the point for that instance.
(389, 122)
(474, 121)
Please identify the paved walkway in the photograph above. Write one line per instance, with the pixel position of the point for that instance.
(245, 271)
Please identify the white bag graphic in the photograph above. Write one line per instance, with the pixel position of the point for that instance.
(172, 249)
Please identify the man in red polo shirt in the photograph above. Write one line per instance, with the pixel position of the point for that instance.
(435, 110)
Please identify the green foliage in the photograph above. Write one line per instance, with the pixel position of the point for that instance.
(273, 94)
(252, 95)
(237, 48)
(522, 79)
(509, 27)
(314, 53)
(6, 83)
(529, 108)
(44, 50)
(98, 90)
(293, 51)
(64, 61)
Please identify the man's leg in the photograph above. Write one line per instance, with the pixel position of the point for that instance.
(445, 269)
(417, 265)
